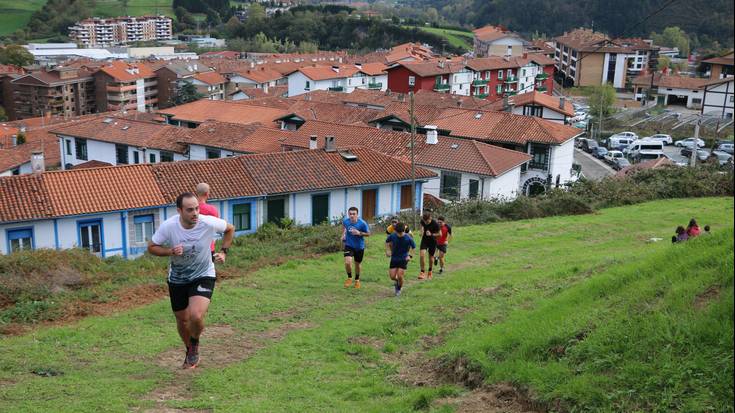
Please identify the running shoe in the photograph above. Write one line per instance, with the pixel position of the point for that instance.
(436, 260)
(398, 292)
(348, 282)
(422, 276)
(441, 270)
(357, 284)
(192, 356)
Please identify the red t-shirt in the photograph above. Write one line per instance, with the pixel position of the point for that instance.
(445, 230)
(693, 231)
(206, 209)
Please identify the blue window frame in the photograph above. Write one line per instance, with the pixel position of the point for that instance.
(242, 216)
(143, 225)
(90, 236)
(20, 239)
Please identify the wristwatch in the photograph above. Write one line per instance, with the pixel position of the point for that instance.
(225, 250)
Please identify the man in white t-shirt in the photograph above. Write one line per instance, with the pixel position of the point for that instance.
(187, 238)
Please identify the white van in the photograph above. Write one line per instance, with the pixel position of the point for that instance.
(619, 141)
(643, 148)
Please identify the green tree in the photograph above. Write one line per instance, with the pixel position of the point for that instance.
(232, 26)
(187, 93)
(256, 12)
(673, 37)
(663, 63)
(601, 100)
(15, 55)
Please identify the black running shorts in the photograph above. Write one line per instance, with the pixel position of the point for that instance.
(428, 244)
(399, 263)
(354, 253)
(442, 247)
(180, 293)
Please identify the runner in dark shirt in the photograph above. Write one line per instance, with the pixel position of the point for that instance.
(442, 242)
(429, 233)
(399, 247)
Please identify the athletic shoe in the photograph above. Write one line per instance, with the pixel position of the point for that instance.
(436, 261)
(398, 292)
(357, 284)
(348, 282)
(422, 276)
(192, 356)
(430, 275)
(441, 270)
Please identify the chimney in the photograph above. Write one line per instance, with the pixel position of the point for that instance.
(336, 69)
(312, 141)
(525, 55)
(265, 88)
(329, 144)
(441, 64)
(459, 103)
(562, 102)
(38, 164)
(432, 136)
(14, 140)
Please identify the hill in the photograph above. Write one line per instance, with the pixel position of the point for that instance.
(567, 313)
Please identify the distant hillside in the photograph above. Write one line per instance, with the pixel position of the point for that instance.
(707, 19)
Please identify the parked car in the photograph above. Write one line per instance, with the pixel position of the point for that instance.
(702, 155)
(725, 146)
(688, 143)
(722, 157)
(629, 135)
(589, 145)
(599, 152)
(620, 163)
(618, 142)
(666, 139)
(613, 155)
(580, 124)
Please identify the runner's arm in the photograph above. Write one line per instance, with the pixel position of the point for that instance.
(388, 247)
(161, 251)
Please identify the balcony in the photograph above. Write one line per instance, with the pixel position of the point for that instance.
(510, 92)
(479, 82)
(336, 89)
(481, 96)
(537, 165)
(542, 76)
(511, 79)
(441, 87)
(541, 88)
(377, 85)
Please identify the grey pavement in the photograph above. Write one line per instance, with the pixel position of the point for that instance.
(592, 168)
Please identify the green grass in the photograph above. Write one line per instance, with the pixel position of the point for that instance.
(112, 8)
(581, 311)
(15, 14)
(455, 38)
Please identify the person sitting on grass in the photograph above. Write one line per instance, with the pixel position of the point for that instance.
(706, 230)
(681, 234)
(693, 229)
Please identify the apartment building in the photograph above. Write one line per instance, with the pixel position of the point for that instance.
(123, 86)
(173, 76)
(62, 91)
(496, 77)
(98, 32)
(588, 58)
(497, 41)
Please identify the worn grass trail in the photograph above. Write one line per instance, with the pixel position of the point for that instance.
(515, 298)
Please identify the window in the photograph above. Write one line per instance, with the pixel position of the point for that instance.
(438, 80)
(136, 157)
(241, 217)
(167, 156)
(81, 148)
(152, 158)
(90, 236)
(533, 110)
(509, 50)
(406, 196)
(523, 73)
(499, 89)
(307, 86)
(500, 75)
(450, 185)
(143, 225)
(68, 146)
(319, 209)
(540, 157)
(121, 154)
(20, 239)
(213, 153)
(474, 188)
(487, 75)
(510, 73)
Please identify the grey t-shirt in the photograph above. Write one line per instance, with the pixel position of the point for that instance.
(196, 261)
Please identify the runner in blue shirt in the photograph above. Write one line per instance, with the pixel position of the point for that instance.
(399, 247)
(353, 237)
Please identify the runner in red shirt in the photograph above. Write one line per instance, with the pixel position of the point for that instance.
(445, 234)
(202, 192)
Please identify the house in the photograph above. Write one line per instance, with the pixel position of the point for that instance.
(172, 77)
(245, 93)
(262, 77)
(214, 139)
(465, 169)
(18, 159)
(126, 86)
(115, 210)
(497, 41)
(61, 91)
(496, 77)
(408, 52)
(337, 78)
(720, 67)
(120, 141)
(552, 108)
(436, 75)
(194, 113)
(588, 58)
(670, 89)
(719, 95)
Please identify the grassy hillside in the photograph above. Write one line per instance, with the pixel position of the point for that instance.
(111, 8)
(569, 313)
(14, 14)
(454, 37)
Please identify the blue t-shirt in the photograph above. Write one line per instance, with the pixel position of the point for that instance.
(400, 246)
(355, 241)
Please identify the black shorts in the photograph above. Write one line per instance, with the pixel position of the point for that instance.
(428, 245)
(442, 247)
(398, 264)
(180, 293)
(354, 253)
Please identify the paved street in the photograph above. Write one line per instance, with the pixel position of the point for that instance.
(592, 168)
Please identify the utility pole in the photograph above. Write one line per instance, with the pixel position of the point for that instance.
(695, 146)
(602, 114)
(411, 83)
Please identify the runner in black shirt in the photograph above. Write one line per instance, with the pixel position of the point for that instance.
(430, 231)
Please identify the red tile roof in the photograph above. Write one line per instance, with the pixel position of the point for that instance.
(252, 138)
(492, 33)
(127, 72)
(433, 67)
(224, 111)
(261, 74)
(328, 72)
(225, 54)
(24, 197)
(90, 164)
(726, 60)
(548, 101)
(671, 81)
(210, 78)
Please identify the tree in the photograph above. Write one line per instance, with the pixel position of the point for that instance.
(673, 37)
(663, 63)
(232, 26)
(601, 100)
(187, 93)
(15, 55)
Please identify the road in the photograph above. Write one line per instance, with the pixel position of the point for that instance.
(592, 168)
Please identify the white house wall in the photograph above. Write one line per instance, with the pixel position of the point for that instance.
(505, 185)
(718, 100)
(562, 158)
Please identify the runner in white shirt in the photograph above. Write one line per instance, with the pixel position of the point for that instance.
(187, 239)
